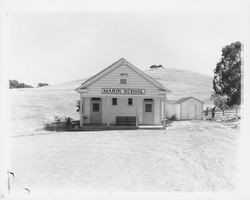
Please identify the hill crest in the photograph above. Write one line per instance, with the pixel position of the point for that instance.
(181, 83)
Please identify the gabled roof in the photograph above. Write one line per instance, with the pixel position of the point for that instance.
(181, 100)
(116, 65)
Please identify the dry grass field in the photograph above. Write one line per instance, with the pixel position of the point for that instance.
(189, 156)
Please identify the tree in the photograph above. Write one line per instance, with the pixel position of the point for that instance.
(227, 74)
(156, 67)
(13, 84)
(220, 102)
(16, 84)
(42, 84)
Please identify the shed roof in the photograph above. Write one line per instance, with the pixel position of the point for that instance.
(181, 100)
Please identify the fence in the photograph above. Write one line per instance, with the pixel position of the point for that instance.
(228, 113)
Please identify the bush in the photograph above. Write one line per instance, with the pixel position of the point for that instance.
(42, 84)
(60, 123)
(156, 67)
(78, 106)
(172, 118)
(16, 84)
(68, 121)
(64, 119)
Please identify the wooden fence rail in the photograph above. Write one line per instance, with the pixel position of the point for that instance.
(228, 113)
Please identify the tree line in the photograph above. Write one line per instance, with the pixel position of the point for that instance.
(15, 84)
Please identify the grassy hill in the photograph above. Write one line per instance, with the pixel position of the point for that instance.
(183, 83)
(33, 107)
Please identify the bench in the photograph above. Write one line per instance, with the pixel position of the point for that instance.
(126, 120)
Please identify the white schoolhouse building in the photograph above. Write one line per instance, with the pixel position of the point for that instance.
(122, 94)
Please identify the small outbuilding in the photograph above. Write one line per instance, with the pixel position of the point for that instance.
(185, 108)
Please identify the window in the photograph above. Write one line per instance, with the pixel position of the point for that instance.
(148, 107)
(114, 101)
(96, 107)
(123, 81)
(130, 101)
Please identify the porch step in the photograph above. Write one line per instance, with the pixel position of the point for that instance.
(151, 127)
(101, 128)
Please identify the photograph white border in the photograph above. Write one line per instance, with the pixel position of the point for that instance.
(118, 6)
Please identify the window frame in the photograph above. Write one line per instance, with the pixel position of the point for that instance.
(131, 102)
(93, 107)
(151, 107)
(123, 79)
(112, 102)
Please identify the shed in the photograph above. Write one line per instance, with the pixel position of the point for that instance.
(185, 108)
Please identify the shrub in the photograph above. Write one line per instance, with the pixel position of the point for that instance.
(78, 106)
(68, 121)
(60, 123)
(42, 84)
(156, 67)
(173, 118)
(16, 84)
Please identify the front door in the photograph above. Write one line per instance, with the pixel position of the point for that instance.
(148, 111)
(96, 111)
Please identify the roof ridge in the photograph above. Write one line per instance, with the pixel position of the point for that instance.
(186, 98)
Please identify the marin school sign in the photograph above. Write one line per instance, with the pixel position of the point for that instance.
(128, 91)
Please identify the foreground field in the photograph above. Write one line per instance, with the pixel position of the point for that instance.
(189, 156)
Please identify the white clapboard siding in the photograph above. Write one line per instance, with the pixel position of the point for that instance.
(112, 80)
(171, 110)
(186, 109)
(86, 109)
(157, 111)
(109, 112)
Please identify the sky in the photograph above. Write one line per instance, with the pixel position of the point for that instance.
(62, 45)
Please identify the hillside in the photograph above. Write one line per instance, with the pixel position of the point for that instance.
(183, 83)
(33, 107)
